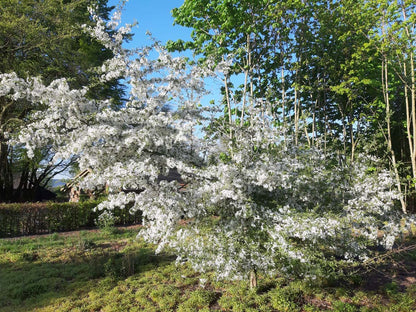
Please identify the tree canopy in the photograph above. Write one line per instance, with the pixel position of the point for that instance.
(340, 71)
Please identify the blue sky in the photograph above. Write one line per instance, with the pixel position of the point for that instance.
(154, 16)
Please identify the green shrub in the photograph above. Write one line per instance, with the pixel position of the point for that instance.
(288, 298)
(106, 222)
(165, 296)
(38, 218)
(341, 306)
(198, 300)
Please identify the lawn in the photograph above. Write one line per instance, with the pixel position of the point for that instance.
(111, 270)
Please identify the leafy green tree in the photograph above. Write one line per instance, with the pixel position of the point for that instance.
(378, 81)
(297, 55)
(342, 72)
(253, 34)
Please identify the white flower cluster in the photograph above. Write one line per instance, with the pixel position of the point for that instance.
(272, 206)
(263, 204)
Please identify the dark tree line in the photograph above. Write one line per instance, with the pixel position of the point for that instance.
(45, 38)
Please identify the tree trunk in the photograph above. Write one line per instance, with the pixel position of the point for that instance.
(410, 107)
(413, 105)
(389, 140)
(247, 69)
(253, 279)
(227, 96)
(314, 135)
(6, 177)
(297, 112)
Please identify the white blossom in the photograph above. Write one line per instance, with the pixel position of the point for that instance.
(270, 206)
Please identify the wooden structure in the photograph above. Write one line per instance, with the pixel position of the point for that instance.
(75, 191)
(73, 187)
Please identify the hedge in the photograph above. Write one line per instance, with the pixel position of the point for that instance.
(40, 218)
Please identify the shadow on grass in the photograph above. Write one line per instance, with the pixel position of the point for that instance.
(29, 282)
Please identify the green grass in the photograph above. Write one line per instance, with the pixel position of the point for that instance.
(113, 271)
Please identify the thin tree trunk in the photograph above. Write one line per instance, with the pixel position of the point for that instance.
(297, 111)
(412, 113)
(325, 124)
(389, 140)
(352, 136)
(314, 122)
(253, 279)
(6, 176)
(409, 121)
(385, 84)
(283, 98)
(246, 74)
(227, 95)
(413, 103)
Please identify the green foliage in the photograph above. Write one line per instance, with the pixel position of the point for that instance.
(199, 300)
(84, 243)
(288, 298)
(121, 273)
(238, 298)
(344, 307)
(166, 297)
(106, 222)
(36, 218)
(318, 65)
(45, 39)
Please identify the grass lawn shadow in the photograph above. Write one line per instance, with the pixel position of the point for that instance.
(36, 271)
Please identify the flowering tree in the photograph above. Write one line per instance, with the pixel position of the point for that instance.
(268, 205)
(44, 38)
(261, 203)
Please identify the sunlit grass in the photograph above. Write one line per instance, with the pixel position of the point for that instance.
(114, 271)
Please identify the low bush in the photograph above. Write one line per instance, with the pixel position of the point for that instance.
(38, 218)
